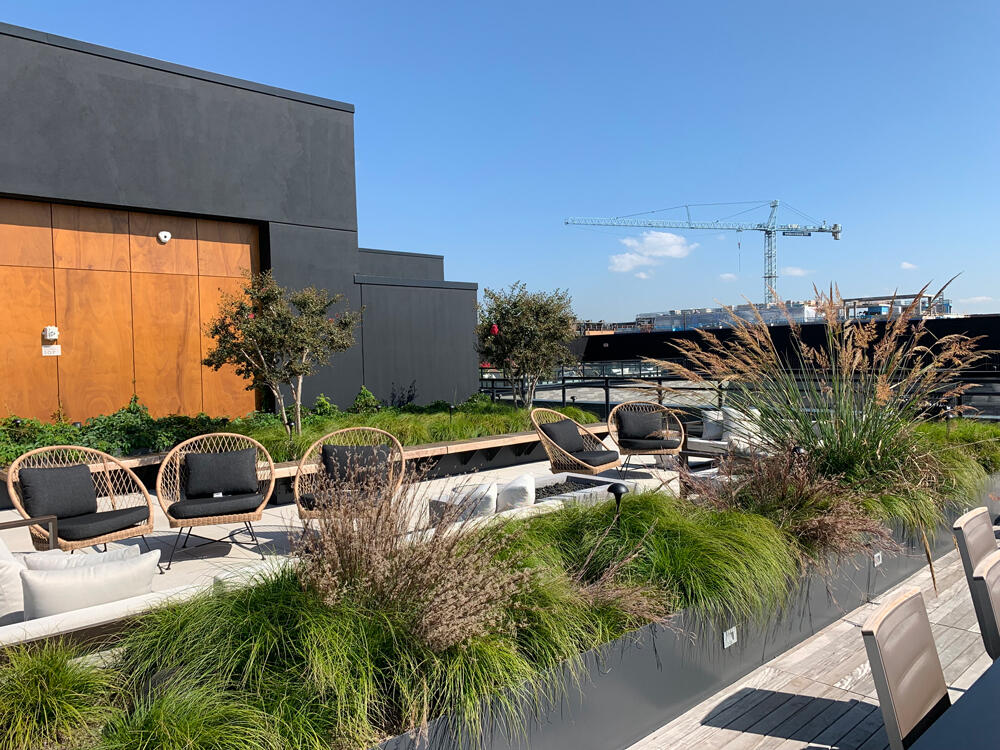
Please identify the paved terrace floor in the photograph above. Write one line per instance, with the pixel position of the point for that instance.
(279, 525)
(820, 694)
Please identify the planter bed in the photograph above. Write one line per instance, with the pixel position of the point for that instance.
(440, 459)
(647, 678)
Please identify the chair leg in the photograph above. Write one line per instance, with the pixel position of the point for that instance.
(254, 537)
(174, 548)
(150, 549)
(188, 537)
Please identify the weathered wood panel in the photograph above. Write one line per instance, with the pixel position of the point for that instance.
(224, 392)
(94, 313)
(178, 256)
(167, 343)
(25, 233)
(90, 238)
(30, 381)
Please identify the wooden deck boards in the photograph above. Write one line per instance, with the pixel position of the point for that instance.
(820, 694)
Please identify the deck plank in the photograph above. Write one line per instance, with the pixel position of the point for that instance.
(820, 694)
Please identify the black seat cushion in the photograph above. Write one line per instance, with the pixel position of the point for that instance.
(361, 463)
(62, 491)
(565, 434)
(93, 525)
(229, 472)
(206, 507)
(308, 501)
(596, 458)
(635, 425)
(649, 444)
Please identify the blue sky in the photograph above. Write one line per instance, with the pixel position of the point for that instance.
(481, 126)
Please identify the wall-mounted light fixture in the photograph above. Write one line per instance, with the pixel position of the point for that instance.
(163, 237)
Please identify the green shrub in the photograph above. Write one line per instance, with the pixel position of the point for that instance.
(365, 402)
(49, 697)
(324, 407)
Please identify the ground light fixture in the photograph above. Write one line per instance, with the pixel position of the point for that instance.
(618, 490)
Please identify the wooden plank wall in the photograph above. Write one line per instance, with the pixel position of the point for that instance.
(131, 310)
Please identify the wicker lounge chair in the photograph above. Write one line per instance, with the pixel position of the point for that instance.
(94, 496)
(213, 479)
(341, 453)
(571, 446)
(645, 428)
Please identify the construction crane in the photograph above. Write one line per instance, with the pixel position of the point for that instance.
(770, 228)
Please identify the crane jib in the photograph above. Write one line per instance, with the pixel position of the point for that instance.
(770, 228)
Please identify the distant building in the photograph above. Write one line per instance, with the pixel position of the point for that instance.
(799, 311)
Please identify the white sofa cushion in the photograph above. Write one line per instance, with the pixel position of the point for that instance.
(479, 500)
(518, 494)
(11, 598)
(51, 592)
(740, 429)
(82, 560)
(711, 424)
(5, 553)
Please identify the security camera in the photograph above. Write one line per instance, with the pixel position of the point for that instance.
(163, 237)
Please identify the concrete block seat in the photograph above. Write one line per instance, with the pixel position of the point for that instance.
(95, 498)
(213, 479)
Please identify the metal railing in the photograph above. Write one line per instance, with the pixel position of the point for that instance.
(982, 401)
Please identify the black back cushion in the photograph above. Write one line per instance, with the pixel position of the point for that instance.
(230, 472)
(565, 434)
(361, 463)
(63, 491)
(637, 425)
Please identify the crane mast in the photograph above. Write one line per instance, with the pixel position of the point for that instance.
(770, 228)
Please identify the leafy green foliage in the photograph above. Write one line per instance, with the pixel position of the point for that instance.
(131, 430)
(980, 440)
(128, 431)
(274, 337)
(48, 697)
(365, 402)
(525, 334)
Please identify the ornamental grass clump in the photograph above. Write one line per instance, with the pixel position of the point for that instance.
(850, 393)
(49, 697)
(444, 586)
(821, 517)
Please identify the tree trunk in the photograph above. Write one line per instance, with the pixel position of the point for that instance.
(531, 383)
(279, 403)
(297, 395)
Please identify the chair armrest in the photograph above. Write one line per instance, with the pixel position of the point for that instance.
(51, 521)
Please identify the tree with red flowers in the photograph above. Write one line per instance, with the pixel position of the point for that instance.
(275, 338)
(525, 334)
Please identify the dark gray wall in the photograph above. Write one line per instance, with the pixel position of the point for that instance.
(420, 333)
(86, 124)
(401, 265)
(327, 258)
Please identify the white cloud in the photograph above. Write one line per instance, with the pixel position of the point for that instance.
(727, 276)
(978, 300)
(794, 271)
(643, 275)
(907, 266)
(649, 249)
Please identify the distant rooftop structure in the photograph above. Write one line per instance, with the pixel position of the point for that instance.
(799, 311)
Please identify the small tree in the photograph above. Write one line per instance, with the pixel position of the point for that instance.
(525, 334)
(276, 337)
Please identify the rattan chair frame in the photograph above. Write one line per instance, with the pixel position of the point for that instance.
(560, 460)
(645, 407)
(309, 472)
(171, 479)
(115, 484)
